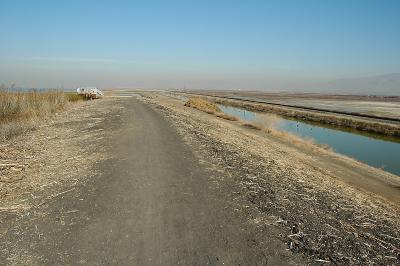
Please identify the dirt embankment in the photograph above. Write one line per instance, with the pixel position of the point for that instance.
(323, 217)
(312, 96)
(335, 120)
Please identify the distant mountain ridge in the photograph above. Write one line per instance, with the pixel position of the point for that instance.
(388, 84)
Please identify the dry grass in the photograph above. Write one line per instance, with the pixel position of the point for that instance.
(227, 117)
(287, 136)
(74, 97)
(209, 107)
(18, 110)
(251, 125)
(25, 105)
(294, 139)
(202, 105)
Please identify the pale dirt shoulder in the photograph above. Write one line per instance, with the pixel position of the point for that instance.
(53, 160)
(55, 154)
(313, 193)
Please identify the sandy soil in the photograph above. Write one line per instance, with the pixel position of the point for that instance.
(316, 198)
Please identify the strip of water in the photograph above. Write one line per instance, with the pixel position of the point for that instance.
(380, 153)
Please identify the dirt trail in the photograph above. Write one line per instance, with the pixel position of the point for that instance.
(152, 201)
(164, 184)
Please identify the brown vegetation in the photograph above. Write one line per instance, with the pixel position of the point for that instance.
(251, 125)
(208, 107)
(268, 128)
(74, 97)
(19, 109)
(227, 117)
(202, 105)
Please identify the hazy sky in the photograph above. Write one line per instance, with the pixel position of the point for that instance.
(197, 44)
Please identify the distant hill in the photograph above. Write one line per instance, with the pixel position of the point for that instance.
(376, 85)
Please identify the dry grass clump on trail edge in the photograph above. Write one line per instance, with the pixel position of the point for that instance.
(292, 138)
(208, 107)
(203, 105)
(227, 117)
(251, 125)
(19, 109)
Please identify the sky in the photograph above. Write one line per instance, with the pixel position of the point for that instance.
(196, 44)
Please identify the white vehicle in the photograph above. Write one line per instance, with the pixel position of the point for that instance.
(90, 92)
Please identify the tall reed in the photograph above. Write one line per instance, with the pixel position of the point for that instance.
(19, 109)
